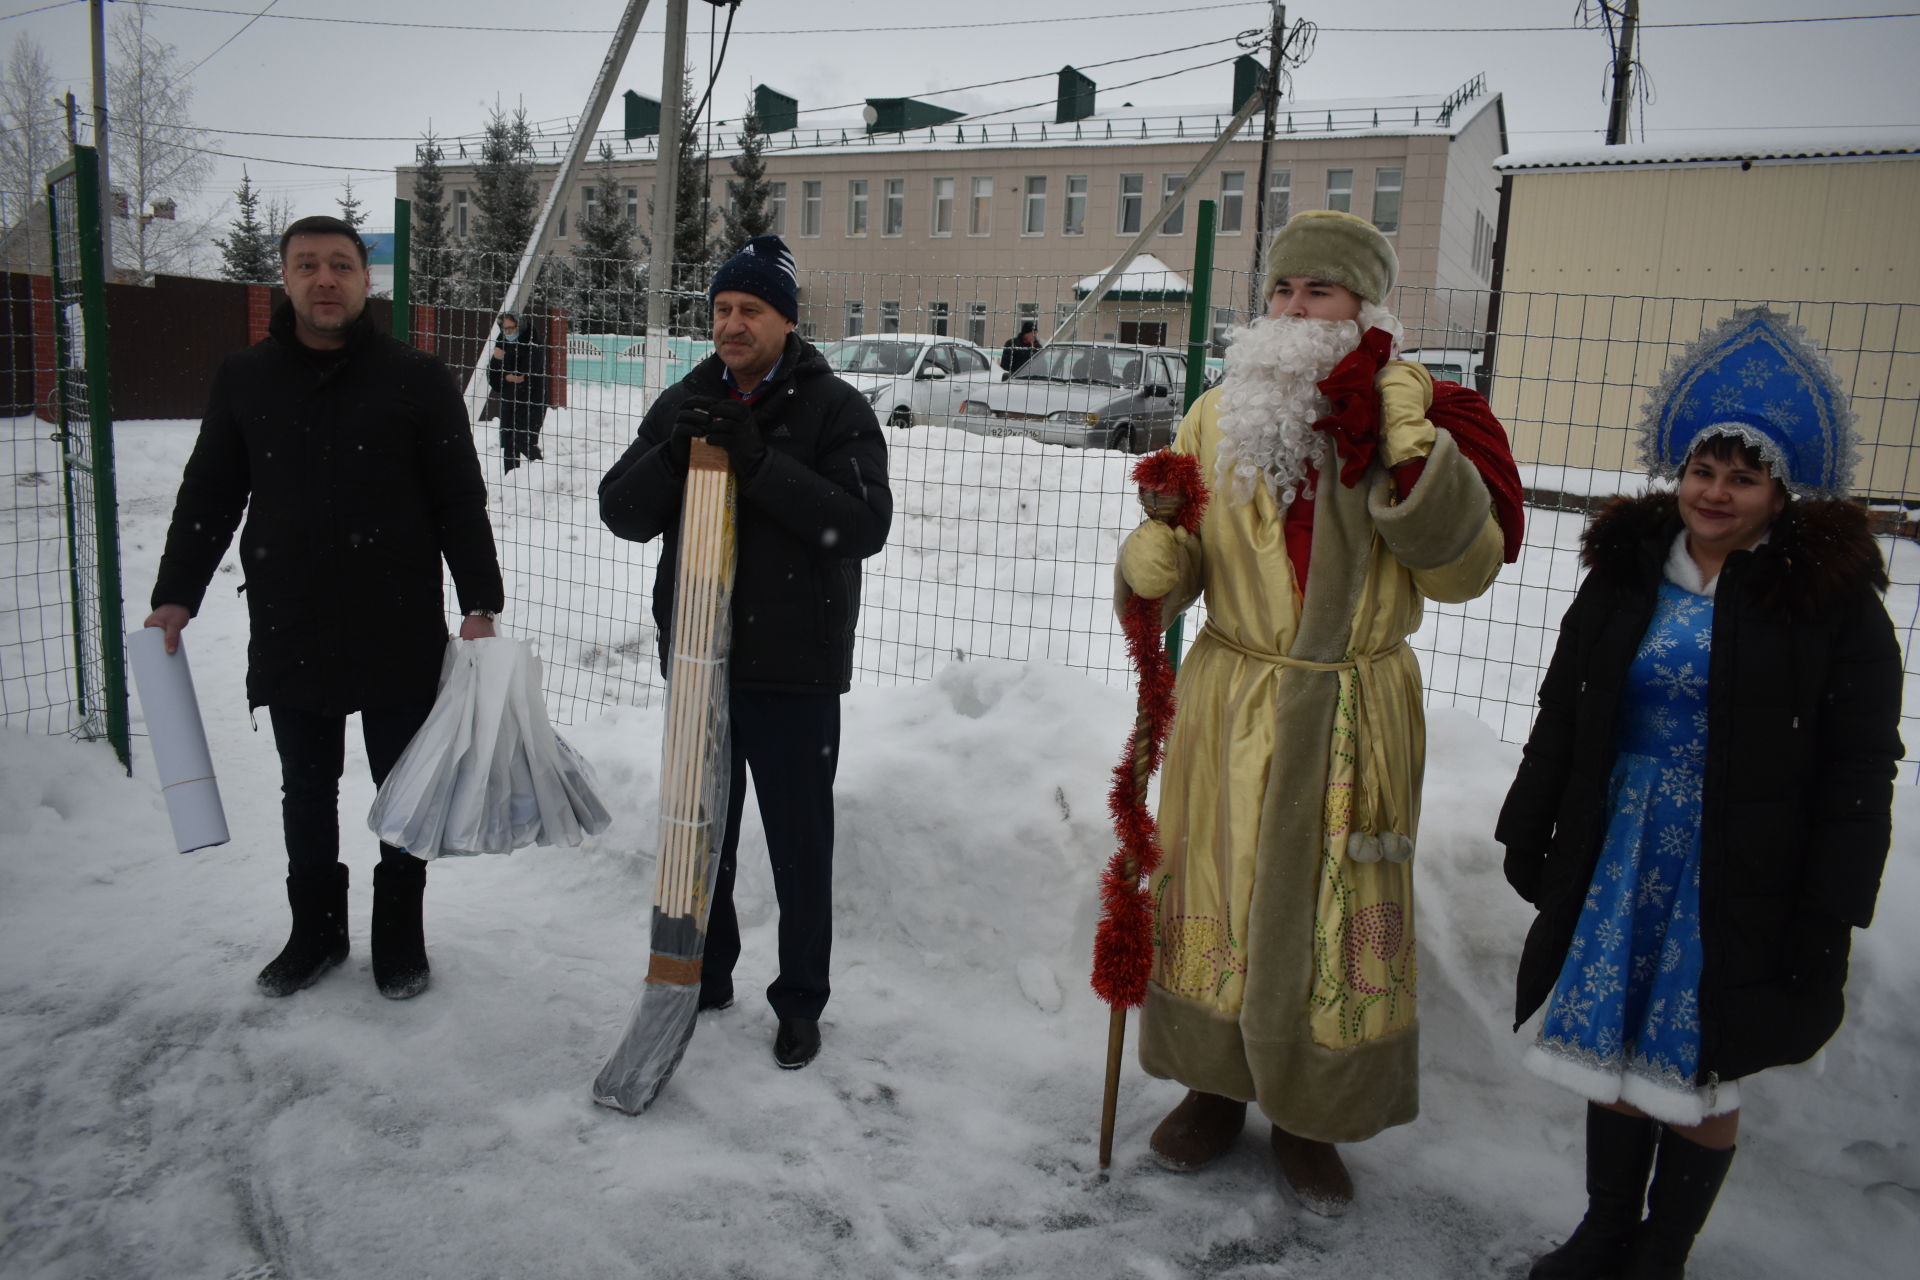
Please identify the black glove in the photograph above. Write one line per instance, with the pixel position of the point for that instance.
(732, 428)
(691, 423)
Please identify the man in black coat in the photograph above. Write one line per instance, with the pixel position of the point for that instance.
(351, 457)
(1020, 348)
(810, 464)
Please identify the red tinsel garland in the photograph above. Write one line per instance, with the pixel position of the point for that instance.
(1123, 942)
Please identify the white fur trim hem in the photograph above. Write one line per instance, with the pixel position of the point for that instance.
(1684, 1108)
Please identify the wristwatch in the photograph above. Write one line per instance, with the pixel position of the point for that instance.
(488, 614)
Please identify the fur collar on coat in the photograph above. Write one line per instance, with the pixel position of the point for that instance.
(1819, 549)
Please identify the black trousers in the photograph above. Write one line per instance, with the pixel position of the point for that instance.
(520, 425)
(791, 742)
(312, 758)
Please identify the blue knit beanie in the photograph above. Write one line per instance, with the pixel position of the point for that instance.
(764, 267)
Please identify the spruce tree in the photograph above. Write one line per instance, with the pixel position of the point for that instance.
(749, 212)
(350, 211)
(505, 206)
(692, 220)
(605, 283)
(433, 260)
(249, 253)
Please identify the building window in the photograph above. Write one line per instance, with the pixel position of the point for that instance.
(1075, 223)
(1133, 187)
(460, 207)
(1340, 190)
(980, 208)
(943, 206)
(1035, 221)
(856, 319)
(1279, 200)
(977, 323)
(1386, 199)
(633, 206)
(810, 202)
(1482, 245)
(894, 216)
(856, 206)
(1062, 312)
(589, 203)
(1176, 223)
(889, 317)
(937, 316)
(560, 232)
(777, 208)
(1146, 333)
(1233, 192)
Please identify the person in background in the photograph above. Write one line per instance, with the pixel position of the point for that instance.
(810, 465)
(350, 455)
(518, 375)
(1283, 943)
(1702, 811)
(1019, 349)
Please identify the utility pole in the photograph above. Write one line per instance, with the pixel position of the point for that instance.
(666, 190)
(1275, 45)
(97, 16)
(1617, 110)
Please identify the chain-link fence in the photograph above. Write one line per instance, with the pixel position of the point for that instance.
(1002, 545)
(62, 665)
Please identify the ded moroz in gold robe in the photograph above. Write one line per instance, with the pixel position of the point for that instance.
(1283, 969)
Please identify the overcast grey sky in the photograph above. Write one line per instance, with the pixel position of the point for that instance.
(374, 73)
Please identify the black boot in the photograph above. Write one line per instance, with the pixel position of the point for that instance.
(399, 940)
(1619, 1157)
(319, 938)
(1685, 1181)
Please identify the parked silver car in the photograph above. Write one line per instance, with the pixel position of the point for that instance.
(1088, 395)
(911, 379)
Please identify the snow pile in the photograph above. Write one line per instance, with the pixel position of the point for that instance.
(161, 1119)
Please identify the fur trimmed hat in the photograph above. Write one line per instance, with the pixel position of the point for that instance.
(1327, 244)
(764, 267)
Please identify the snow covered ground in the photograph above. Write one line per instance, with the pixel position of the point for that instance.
(159, 1118)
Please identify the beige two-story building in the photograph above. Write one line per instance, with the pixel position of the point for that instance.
(969, 226)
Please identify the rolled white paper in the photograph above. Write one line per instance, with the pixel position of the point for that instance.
(179, 740)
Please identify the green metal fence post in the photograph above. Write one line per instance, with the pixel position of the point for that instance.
(1199, 331)
(403, 270)
(95, 465)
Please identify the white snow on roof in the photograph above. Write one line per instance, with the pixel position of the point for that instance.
(1146, 274)
(1725, 147)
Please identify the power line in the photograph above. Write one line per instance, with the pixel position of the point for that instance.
(230, 39)
(28, 13)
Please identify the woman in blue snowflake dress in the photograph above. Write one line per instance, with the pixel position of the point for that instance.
(1702, 811)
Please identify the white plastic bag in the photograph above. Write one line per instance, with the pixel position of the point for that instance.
(487, 773)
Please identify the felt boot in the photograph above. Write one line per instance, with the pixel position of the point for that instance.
(399, 939)
(1686, 1179)
(319, 938)
(1619, 1156)
(1314, 1172)
(1198, 1131)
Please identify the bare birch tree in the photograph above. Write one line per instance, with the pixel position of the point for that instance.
(31, 140)
(158, 155)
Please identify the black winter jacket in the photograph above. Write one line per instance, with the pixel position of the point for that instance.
(357, 475)
(816, 506)
(526, 357)
(1803, 709)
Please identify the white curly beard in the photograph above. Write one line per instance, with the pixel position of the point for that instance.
(1269, 400)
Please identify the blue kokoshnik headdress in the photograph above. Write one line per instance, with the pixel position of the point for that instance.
(1761, 380)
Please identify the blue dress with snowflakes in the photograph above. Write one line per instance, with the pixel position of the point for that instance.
(1623, 1022)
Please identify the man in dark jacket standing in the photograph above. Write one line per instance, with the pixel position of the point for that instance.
(350, 455)
(810, 464)
(1020, 348)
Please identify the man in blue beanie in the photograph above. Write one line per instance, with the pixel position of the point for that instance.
(810, 466)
